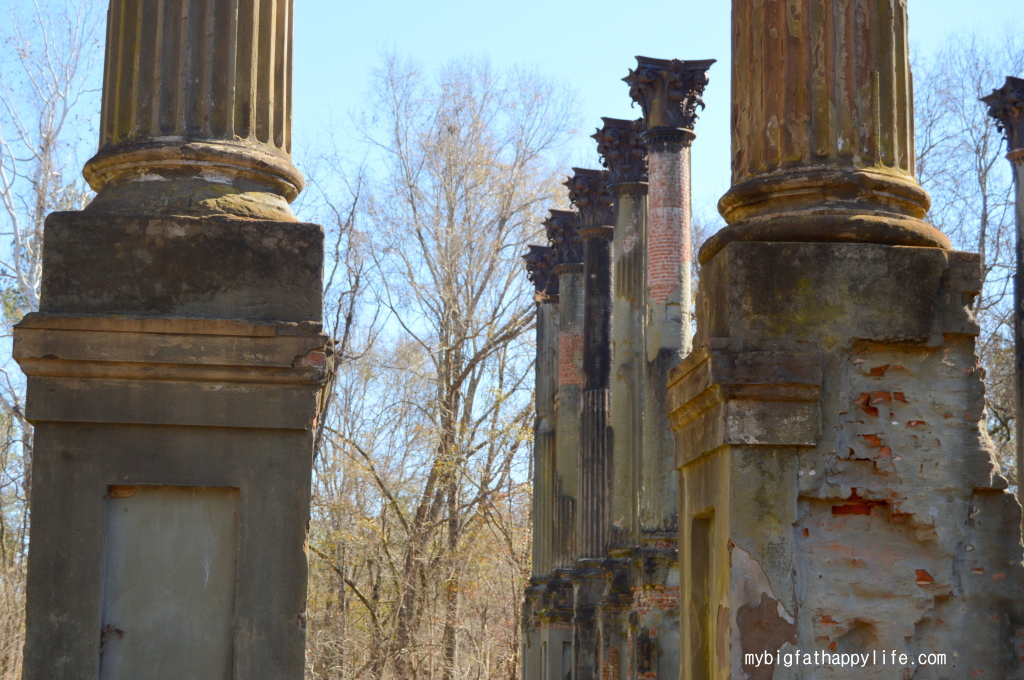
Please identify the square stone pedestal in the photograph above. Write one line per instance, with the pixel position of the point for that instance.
(174, 382)
(840, 493)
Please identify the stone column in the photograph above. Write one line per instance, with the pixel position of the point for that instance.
(540, 262)
(563, 233)
(588, 192)
(839, 493)
(823, 127)
(625, 158)
(1006, 105)
(197, 110)
(175, 368)
(669, 93)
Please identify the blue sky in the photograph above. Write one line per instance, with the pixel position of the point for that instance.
(588, 45)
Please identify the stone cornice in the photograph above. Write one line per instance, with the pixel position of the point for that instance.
(622, 150)
(1006, 105)
(743, 397)
(668, 92)
(588, 191)
(563, 227)
(163, 365)
(540, 264)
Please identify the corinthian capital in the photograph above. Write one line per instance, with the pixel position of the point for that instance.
(669, 91)
(540, 264)
(563, 228)
(1006, 105)
(588, 191)
(622, 150)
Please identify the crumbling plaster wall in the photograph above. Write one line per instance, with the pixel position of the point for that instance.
(877, 520)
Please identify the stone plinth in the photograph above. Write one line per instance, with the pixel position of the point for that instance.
(142, 414)
(823, 127)
(839, 490)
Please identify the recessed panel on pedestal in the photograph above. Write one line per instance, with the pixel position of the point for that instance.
(170, 556)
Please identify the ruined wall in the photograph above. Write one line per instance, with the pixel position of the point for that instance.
(840, 493)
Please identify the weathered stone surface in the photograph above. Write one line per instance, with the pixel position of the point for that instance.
(175, 372)
(669, 92)
(822, 120)
(588, 192)
(168, 403)
(621, 147)
(182, 267)
(1006, 106)
(196, 111)
(839, 489)
(540, 265)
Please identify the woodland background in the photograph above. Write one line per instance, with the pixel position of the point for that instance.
(420, 532)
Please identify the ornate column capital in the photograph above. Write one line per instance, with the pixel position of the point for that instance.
(588, 191)
(622, 151)
(540, 265)
(1006, 105)
(669, 92)
(563, 230)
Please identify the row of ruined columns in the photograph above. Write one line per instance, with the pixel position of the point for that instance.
(805, 470)
(614, 297)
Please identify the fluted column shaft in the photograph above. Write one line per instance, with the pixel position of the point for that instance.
(567, 406)
(198, 91)
(1017, 157)
(588, 192)
(563, 232)
(540, 262)
(823, 126)
(624, 155)
(544, 437)
(628, 326)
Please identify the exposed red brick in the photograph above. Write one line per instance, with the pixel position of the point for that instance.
(880, 396)
(899, 396)
(872, 440)
(851, 509)
(923, 577)
(879, 371)
(570, 356)
(862, 401)
(668, 222)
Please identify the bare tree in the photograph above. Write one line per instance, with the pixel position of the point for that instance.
(427, 443)
(961, 162)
